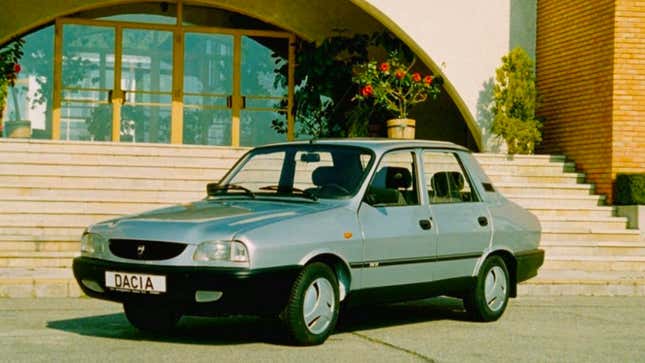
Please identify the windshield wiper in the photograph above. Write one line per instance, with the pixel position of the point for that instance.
(214, 189)
(290, 190)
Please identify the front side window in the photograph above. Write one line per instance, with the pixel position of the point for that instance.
(445, 178)
(313, 171)
(394, 184)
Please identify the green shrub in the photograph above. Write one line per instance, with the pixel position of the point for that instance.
(514, 103)
(630, 189)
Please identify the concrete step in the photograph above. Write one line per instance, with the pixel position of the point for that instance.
(24, 243)
(99, 195)
(106, 183)
(559, 223)
(538, 159)
(544, 189)
(591, 235)
(110, 148)
(52, 220)
(100, 171)
(595, 263)
(38, 282)
(573, 212)
(72, 208)
(40, 231)
(556, 202)
(32, 259)
(564, 178)
(595, 249)
(585, 283)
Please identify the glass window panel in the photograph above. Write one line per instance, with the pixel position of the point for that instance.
(207, 127)
(31, 98)
(134, 98)
(145, 124)
(261, 58)
(207, 101)
(256, 128)
(264, 103)
(88, 57)
(394, 183)
(147, 60)
(86, 121)
(208, 63)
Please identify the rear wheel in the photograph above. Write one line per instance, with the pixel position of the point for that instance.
(312, 311)
(151, 319)
(489, 298)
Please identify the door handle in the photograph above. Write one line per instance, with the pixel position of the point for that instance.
(425, 224)
(483, 221)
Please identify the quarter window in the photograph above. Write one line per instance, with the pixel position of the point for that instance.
(445, 178)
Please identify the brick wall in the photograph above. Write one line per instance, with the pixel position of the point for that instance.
(590, 63)
(629, 87)
(574, 64)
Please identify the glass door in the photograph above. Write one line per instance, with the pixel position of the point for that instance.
(208, 88)
(86, 82)
(146, 85)
(264, 92)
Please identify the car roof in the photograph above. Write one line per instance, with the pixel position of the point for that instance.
(379, 144)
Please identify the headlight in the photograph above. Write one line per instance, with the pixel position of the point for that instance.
(221, 251)
(92, 244)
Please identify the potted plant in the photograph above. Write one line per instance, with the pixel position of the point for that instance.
(393, 85)
(9, 68)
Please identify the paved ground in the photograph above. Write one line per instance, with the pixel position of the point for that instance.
(533, 329)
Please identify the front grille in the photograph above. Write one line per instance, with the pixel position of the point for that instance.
(145, 250)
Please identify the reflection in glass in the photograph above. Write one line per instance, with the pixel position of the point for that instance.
(146, 78)
(255, 128)
(87, 78)
(208, 88)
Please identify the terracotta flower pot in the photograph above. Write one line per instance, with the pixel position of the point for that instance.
(401, 128)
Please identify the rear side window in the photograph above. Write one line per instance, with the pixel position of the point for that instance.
(446, 180)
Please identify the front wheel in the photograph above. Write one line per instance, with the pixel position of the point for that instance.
(488, 300)
(151, 319)
(312, 311)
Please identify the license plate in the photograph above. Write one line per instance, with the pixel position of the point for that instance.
(137, 283)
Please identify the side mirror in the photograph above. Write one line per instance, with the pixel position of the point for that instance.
(213, 189)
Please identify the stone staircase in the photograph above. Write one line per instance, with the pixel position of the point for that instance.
(50, 191)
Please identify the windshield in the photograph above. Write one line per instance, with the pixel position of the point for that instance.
(301, 170)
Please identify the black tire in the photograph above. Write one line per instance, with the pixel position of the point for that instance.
(321, 283)
(476, 303)
(151, 319)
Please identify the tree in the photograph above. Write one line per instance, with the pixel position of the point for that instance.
(514, 103)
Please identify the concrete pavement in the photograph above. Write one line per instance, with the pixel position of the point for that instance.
(533, 329)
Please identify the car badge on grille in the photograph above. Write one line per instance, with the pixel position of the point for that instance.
(140, 250)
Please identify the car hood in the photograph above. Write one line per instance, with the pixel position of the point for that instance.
(206, 220)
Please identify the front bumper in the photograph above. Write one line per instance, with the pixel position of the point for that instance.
(259, 291)
(528, 264)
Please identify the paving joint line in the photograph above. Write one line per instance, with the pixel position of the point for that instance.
(396, 347)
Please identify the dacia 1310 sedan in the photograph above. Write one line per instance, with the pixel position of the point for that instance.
(297, 229)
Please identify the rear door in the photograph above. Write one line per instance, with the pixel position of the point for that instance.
(461, 219)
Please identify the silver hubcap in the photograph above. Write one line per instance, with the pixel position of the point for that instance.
(495, 289)
(318, 307)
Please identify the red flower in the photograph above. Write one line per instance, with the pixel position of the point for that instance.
(385, 67)
(17, 68)
(399, 74)
(427, 80)
(367, 90)
(416, 77)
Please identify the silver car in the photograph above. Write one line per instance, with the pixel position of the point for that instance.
(297, 229)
